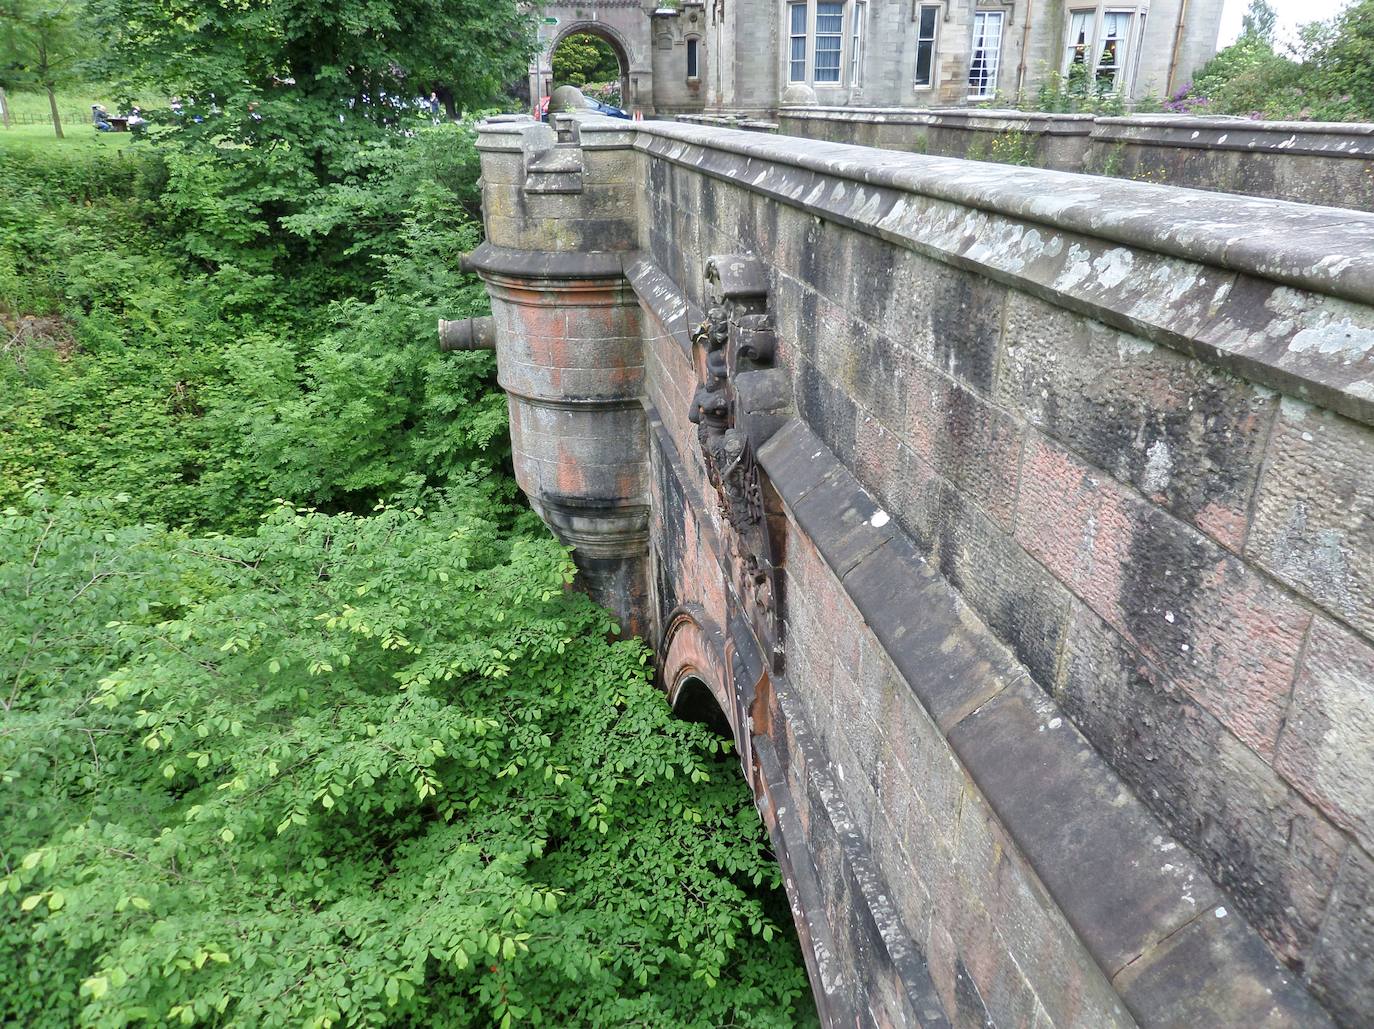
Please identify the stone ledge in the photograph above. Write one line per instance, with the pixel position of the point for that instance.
(664, 299)
(1280, 138)
(1134, 897)
(545, 264)
(1193, 225)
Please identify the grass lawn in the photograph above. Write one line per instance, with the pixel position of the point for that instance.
(30, 110)
(78, 137)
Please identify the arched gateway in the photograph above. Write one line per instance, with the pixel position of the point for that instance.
(662, 51)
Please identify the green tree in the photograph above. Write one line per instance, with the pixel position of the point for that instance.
(1339, 63)
(286, 99)
(376, 770)
(42, 42)
(583, 58)
(1258, 21)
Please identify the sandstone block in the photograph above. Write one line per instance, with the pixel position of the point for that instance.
(1079, 828)
(1255, 836)
(1212, 625)
(1314, 516)
(1325, 750)
(1021, 602)
(1186, 435)
(970, 443)
(1343, 959)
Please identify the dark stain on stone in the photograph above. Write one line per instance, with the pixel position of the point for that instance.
(1162, 576)
(971, 1011)
(965, 322)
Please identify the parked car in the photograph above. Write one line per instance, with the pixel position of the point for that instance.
(592, 105)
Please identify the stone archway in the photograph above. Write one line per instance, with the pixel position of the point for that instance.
(597, 30)
(625, 28)
(695, 677)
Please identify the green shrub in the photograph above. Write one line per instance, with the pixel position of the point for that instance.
(369, 770)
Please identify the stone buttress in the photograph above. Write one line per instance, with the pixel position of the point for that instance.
(568, 346)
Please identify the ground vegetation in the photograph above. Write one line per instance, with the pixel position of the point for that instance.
(302, 724)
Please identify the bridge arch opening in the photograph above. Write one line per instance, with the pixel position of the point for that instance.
(694, 702)
(694, 673)
(588, 54)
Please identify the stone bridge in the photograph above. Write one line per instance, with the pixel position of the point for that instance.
(1017, 524)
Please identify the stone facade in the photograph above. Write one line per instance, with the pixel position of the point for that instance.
(1021, 538)
(748, 54)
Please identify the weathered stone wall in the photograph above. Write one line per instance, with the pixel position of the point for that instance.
(1331, 164)
(1058, 689)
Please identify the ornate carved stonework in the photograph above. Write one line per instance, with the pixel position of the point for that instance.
(736, 406)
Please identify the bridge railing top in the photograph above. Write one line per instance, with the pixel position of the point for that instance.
(1279, 292)
(1324, 250)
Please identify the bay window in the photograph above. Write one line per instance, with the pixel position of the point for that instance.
(1101, 43)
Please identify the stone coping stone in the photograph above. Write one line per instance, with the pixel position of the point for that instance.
(545, 264)
(664, 299)
(1190, 224)
(1171, 122)
(1277, 139)
(1260, 287)
(1138, 901)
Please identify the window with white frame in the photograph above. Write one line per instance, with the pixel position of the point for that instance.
(857, 14)
(825, 41)
(1111, 55)
(1079, 39)
(1101, 46)
(796, 27)
(927, 27)
(693, 59)
(987, 54)
(829, 40)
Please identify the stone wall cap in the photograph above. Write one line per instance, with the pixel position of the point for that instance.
(1233, 122)
(1289, 139)
(1325, 250)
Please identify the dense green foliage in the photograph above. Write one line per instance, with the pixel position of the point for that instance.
(206, 382)
(581, 59)
(358, 769)
(1329, 74)
(353, 757)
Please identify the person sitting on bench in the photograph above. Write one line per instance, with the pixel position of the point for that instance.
(101, 119)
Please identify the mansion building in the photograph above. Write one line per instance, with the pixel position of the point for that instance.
(751, 56)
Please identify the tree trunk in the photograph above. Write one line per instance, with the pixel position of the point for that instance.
(56, 118)
(4, 107)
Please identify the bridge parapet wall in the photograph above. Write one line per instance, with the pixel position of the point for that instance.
(1326, 163)
(1072, 717)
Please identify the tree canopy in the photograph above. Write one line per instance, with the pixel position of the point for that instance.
(42, 45)
(1328, 74)
(584, 58)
